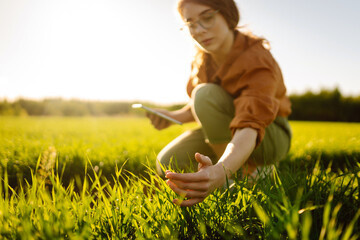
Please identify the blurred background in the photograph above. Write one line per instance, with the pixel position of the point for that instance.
(119, 50)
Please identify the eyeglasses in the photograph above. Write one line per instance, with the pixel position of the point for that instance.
(206, 21)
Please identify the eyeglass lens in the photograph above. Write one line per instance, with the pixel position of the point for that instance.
(206, 21)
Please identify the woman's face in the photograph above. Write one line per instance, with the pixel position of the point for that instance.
(207, 27)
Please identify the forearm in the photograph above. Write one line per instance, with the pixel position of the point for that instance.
(238, 150)
(197, 186)
(184, 114)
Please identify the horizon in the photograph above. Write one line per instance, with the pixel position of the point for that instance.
(131, 101)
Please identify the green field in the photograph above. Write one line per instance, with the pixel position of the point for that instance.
(305, 199)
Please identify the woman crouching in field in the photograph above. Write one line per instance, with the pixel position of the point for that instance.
(237, 95)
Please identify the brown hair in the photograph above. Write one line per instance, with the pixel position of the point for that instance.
(230, 12)
(227, 8)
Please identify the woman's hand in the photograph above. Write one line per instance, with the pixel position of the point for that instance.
(158, 122)
(196, 186)
(183, 115)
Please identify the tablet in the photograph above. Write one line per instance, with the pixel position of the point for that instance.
(139, 105)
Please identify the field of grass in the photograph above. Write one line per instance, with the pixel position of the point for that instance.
(85, 178)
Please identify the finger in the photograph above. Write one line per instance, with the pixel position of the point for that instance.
(164, 123)
(156, 121)
(186, 193)
(188, 177)
(197, 186)
(152, 118)
(203, 160)
(161, 123)
(189, 202)
(148, 115)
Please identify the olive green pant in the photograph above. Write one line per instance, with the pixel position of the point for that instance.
(213, 109)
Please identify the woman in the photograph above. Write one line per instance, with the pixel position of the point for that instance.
(237, 96)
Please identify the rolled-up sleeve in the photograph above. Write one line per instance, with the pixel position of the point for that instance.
(256, 106)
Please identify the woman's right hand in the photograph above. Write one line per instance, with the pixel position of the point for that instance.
(158, 122)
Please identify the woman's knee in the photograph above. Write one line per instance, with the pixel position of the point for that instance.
(179, 154)
(213, 108)
(167, 160)
(203, 97)
(210, 97)
(164, 160)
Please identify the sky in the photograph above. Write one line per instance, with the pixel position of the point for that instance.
(116, 50)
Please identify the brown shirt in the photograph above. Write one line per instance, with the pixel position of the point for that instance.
(253, 78)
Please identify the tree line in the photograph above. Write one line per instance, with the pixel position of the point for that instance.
(69, 108)
(327, 105)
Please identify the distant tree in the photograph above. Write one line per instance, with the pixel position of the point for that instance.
(52, 107)
(6, 108)
(324, 106)
(32, 107)
(74, 108)
(327, 105)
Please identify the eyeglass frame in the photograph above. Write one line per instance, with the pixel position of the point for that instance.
(187, 25)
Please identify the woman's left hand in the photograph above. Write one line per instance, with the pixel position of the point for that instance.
(196, 186)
